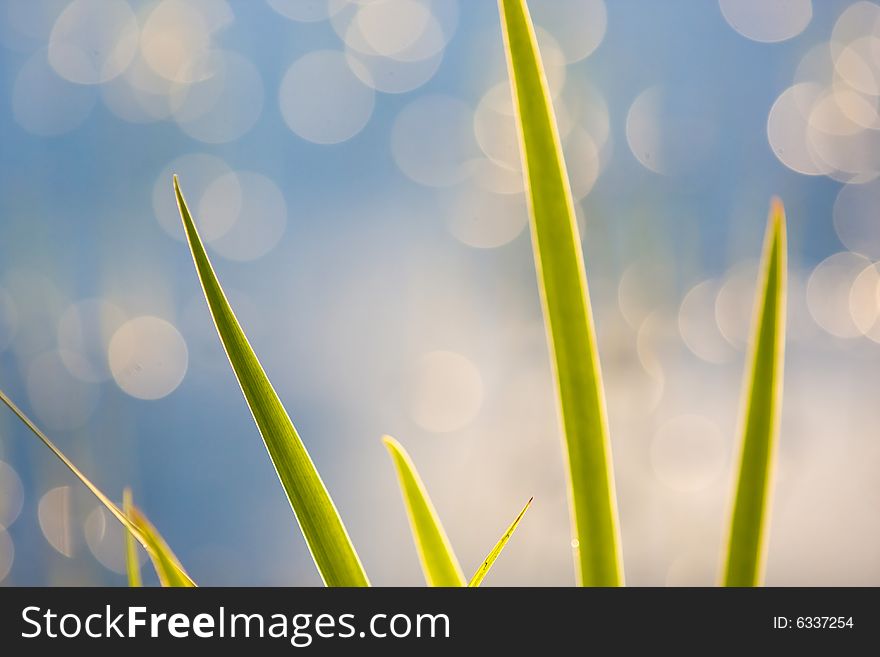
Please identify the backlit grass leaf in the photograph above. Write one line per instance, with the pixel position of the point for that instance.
(439, 563)
(132, 567)
(326, 536)
(761, 405)
(151, 543)
(565, 300)
(483, 570)
(167, 566)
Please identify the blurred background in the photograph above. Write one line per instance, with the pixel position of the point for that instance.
(353, 166)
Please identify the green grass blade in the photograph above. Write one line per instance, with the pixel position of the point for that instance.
(759, 424)
(439, 563)
(132, 567)
(478, 577)
(563, 284)
(326, 536)
(149, 543)
(167, 566)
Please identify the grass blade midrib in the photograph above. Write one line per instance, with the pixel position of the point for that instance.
(565, 300)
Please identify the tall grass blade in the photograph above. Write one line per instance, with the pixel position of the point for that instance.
(150, 543)
(565, 299)
(439, 563)
(478, 577)
(132, 567)
(326, 536)
(759, 423)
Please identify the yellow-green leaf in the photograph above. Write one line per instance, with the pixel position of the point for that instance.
(133, 527)
(761, 404)
(439, 563)
(478, 577)
(132, 567)
(565, 300)
(167, 566)
(326, 536)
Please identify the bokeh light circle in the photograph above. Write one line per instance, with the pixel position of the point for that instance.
(582, 162)
(11, 495)
(495, 127)
(788, 129)
(322, 100)
(486, 220)
(432, 140)
(93, 41)
(56, 522)
(224, 103)
(105, 538)
(7, 554)
(249, 214)
(734, 302)
(670, 131)
(392, 76)
(577, 25)
(828, 293)
(856, 218)
(392, 26)
(305, 11)
(768, 21)
(446, 392)
(148, 357)
(177, 34)
(696, 323)
(864, 302)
